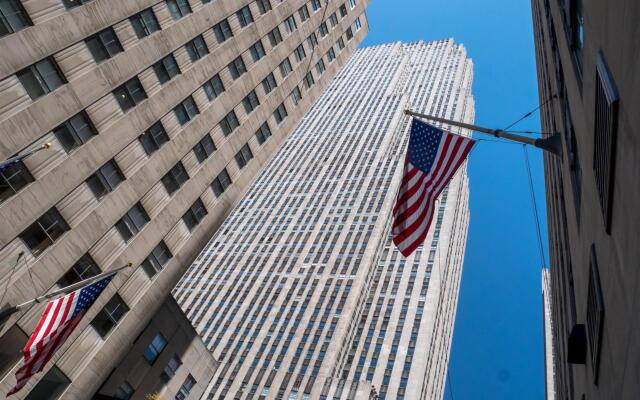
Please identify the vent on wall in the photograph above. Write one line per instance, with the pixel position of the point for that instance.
(595, 314)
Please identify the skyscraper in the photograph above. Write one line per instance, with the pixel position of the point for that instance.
(547, 326)
(159, 112)
(301, 293)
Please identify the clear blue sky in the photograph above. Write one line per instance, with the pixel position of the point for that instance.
(497, 343)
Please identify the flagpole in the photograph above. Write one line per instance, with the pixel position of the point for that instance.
(551, 143)
(6, 163)
(14, 309)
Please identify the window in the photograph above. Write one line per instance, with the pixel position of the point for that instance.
(222, 30)
(315, 4)
(75, 131)
(124, 391)
(105, 179)
(333, 19)
(343, 10)
(296, 96)
(320, 67)
(595, 314)
(83, 269)
(144, 23)
(229, 123)
(75, 3)
(244, 156)
(308, 80)
(606, 126)
(170, 370)
(186, 111)
(577, 34)
(132, 222)
(269, 83)
(275, 37)
(186, 387)
(349, 33)
(250, 102)
(41, 78)
(263, 6)
(299, 53)
(244, 16)
(175, 178)
(157, 259)
(290, 24)
(153, 138)
(280, 113)
(166, 69)
(352, 4)
(194, 215)
(358, 24)
(153, 350)
(13, 17)
(103, 45)
(331, 55)
(13, 178)
(130, 94)
(204, 148)
(197, 48)
(44, 232)
(221, 183)
(285, 67)
(178, 8)
(303, 12)
(257, 51)
(312, 40)
(263, 133)
(110, 315)
(213, 87)
(50, 386)
(340, 43)
(237, 68)
(323, 29)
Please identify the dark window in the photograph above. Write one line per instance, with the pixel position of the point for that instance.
(213, 87)
(75, 131)
(595, 314)
(299, 53)
(285, 67)
(186, 387)
(290, 24)
(204, 148)
(263, 133)
(323, 29)
(340, 43)
(144, 23)
(308, 80)
(269, 83)
(280, 113)
(304, 13)
(315, 4)
(105, 179)
(194, 215)
(130, 94)
(197, 48)
(124, 391)
(50, 386)
(257, 51)
(13, 17)
(221, 183)
(244, 156)
(343, 10)
(186, 110)
(178, 8)
(229, 123)
(13, 178)
(75, 3)
(237, 68)
(349, 33)
(175, 178)
(41, 78)
(157, 259)
(250, 102)
(312, 40)
(275, 37)
(110, 315)
(44, 232)
(358, 24)
(333, 18)
(170, 370)
(153, 138)
(244, 16)
(83, 269)
(166, 68)
(103, 45)
(263, 6)
(222, 30)
(331, 55)
(320, 67)
(296, 95)
(153, 350)
(606, 126)
(132, 222)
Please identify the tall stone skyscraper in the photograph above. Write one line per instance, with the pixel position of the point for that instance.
(301, 293)
(160, 113)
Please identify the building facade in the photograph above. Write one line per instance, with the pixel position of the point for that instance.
(159, 114)
(301, 293)
(586, 54)
(547, 334)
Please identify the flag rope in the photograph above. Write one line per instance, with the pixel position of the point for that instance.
(536, 215)
(527, 115)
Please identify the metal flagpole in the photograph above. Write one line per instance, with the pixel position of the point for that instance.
(14, 309)
(551, 143)
(9, 162)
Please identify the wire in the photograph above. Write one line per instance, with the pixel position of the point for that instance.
(527, 115)
(536, 216)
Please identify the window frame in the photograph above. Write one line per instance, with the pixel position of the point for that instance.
(221, 183)
(165, 73)
(237, 67)
(144, 27)
(245, 17)
(197, 49)
(109, 313)
(173, 179)
(34, 74)
(103, 46)
(153, 141)
(25, 19)
(182, 8)
(71, 131)
(127, 94)
(222, 31)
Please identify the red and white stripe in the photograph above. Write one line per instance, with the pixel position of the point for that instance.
(415, 203)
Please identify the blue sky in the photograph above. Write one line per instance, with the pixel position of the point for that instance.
(497, 343)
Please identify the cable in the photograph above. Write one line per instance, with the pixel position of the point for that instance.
(535, 206)
(527, 115)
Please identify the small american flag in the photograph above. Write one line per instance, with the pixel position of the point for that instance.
(58, 321)
(433, 157)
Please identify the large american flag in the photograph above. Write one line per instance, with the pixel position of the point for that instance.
(58, 321)
(433, 157)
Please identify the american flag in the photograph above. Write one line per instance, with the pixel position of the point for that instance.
(433, 157)
(58, 321)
